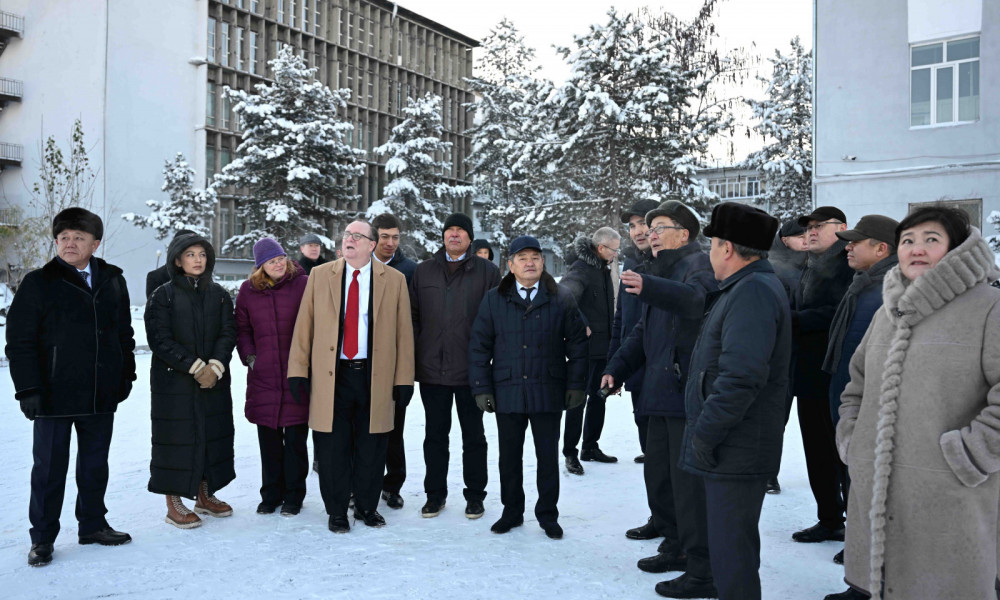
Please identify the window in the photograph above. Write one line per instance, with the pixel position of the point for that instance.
(371, 36)
(371, 88)
(736, 187)
(239, 4)
(225, 228)
(253, 52)
(209, 164)
(224, 30)
(305, 15)
(316, 17)
(944, 82)
(211, 40)
(225, 157)
(973, 208)
(291, 13)
(225, 112)
(281, 11)
(210, 105)
(350, 30)
(239, 48)
(254, 6)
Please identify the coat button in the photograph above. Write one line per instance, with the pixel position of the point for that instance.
(524, 376)
(331, 373)
(524, 346)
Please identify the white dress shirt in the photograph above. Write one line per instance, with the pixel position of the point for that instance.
(364, 287)
(522, 289)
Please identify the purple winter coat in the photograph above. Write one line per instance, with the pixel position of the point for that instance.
(265, 320)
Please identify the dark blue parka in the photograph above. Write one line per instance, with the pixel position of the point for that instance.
(628, 309)
(735, 396)
(673, 303)
(527, 356)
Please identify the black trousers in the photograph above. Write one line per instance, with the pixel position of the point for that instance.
(827, 475)
(437, 401)
(676, 497)
(733, 536)
(351, 458)
(284, 464)
(545, 432)
(641, 421)
(594, 422)
(50, 450)
(395, 457)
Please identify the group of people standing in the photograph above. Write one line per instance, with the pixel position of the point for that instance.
(885, 333)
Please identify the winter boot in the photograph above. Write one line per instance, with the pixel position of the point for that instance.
(208, 504)
(179, 515)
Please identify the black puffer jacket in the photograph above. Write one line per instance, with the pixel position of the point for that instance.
(444, 305)
(71, 343)
(186, 320)
(528, 355)
(404, 265)
(589, 280)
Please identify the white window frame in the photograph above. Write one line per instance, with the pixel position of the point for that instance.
(224, 40)
(972, 207)
(253, 52)
(934, 68)
(211, 40)
(240, 34)
(281, 11)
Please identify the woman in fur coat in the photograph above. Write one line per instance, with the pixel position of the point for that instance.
(920, 421)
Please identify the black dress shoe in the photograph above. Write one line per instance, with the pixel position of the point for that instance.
(573, 465)
(106, 537)
(392, 500)
(818, 533)
(646, 531)
(505, 524)
(839, 557)
(688, 586)
(432, 508)
(339, 524)
(371, 518)
(40, 555)
(266, 509)
(640, 459)
(663, 562)
(290, 510)
(474, 509)
(850, 594)
(669, 546)
(553, 530)
(773, 487)
(596, 455)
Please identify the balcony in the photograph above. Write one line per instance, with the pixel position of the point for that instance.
(11, 155)
(11, 90)
(11, 26)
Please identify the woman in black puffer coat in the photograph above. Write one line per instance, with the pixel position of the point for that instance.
(192, 332)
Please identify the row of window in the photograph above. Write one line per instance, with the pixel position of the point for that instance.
(944, 82)
(244, 52)
(736, 187)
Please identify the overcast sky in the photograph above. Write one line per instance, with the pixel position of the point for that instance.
(758, 25)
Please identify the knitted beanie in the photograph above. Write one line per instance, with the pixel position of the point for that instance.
(266, 249)
(459, 220)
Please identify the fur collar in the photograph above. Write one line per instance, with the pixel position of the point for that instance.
(969, 264)
(508, 282)
(586, 252)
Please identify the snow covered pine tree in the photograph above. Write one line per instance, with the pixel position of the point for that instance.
(187, 208)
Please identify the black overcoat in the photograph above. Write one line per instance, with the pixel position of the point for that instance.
(589, 280)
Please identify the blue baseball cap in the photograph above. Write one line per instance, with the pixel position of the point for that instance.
(524, 242)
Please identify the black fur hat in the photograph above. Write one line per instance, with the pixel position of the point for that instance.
(78, 219)
(742, 224)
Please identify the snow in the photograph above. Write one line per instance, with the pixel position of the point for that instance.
(253, 556)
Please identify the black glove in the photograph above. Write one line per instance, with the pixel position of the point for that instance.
(575, 398)
(486, 402)
(299, 386)
(401, 394)
(31, 405)
(702, 453)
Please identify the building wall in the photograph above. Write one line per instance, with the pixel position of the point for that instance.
(868, 158)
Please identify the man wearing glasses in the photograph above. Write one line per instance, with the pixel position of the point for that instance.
(824, 282)
(352, 358)
(589, 280)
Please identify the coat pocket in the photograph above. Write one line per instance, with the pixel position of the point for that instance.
(501, 375)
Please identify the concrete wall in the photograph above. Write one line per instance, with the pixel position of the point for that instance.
(862, 110)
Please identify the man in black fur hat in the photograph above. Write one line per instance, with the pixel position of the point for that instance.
(70, 343)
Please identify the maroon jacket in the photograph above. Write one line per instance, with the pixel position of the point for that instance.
(265, 320)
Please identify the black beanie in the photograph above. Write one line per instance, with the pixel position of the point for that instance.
(78, 219)
(459, 220)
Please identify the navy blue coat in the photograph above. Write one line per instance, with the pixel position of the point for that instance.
(869, 301)
(589, 280)
(735, 396)
(673, 303)
(628, 309)
(527, 356)
(403, 265)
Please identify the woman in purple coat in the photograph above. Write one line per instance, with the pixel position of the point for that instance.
(266, 307)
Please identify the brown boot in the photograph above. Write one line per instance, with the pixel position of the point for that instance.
(179, 515)
(208, 504)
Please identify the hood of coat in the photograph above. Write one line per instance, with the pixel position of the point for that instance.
(508, 282)
(782, 254)
(969, 264)
(181, 243)
(583, 249)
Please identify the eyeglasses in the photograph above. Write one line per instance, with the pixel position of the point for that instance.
(617, 250)
(817, 226)
(356, 236)
(659, 230)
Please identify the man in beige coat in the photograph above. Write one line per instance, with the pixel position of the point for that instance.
(352, 357)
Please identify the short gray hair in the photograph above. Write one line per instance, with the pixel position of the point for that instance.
(748, 253)
(604, 235)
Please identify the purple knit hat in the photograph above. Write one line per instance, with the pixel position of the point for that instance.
(266, 249)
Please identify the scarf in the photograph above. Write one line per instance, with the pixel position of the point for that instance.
(845, 310)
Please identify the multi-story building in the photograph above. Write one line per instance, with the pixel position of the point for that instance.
(146, 79)
(733, 184)
(903, 106)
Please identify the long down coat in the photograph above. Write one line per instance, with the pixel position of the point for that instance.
(265, 320)
(920, 425)
(188, 320)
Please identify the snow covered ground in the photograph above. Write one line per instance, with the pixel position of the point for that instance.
(254, 556)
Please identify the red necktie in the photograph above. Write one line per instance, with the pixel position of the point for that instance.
(351, 319)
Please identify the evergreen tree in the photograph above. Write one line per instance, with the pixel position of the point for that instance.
(294, 163)
(784, 120)
(417, 159)
(187, 207)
